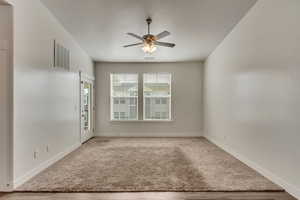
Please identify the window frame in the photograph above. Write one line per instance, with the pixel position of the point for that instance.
(169, 96)
(111, 99)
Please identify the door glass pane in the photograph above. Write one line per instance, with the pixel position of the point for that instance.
(86, 115)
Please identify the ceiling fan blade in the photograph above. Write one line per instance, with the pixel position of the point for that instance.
(130, 45)
(162, 34)
(136, 36)
(165, 44)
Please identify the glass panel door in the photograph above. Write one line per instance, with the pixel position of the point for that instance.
(87, 109)
(86, 114)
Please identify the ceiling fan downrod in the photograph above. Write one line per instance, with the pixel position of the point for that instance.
(149, 21)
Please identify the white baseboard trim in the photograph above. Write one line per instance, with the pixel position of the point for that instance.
(147, 135)
(4, 188)
(291, 189)
(19, 181)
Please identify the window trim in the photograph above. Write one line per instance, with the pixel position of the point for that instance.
(111, 99)
(169, 96)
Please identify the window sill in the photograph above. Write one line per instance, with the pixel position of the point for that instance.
(142, 120)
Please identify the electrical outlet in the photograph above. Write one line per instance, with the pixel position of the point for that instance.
(35, 155)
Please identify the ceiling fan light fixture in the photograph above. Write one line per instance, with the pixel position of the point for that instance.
(149, 48)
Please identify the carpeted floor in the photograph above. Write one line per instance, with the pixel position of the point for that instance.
(148, 164)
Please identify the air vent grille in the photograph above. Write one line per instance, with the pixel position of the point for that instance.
(61, 56)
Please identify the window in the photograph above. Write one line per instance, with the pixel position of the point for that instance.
(124, 96)
(157, 96)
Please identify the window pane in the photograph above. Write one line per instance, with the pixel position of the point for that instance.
(126, 109)
(157, 84)
(116, 115)
(156, 111)
(124, 85)
(124, 96)
(157, 96)
(116, 100)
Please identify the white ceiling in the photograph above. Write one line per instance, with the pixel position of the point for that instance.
(196, 26)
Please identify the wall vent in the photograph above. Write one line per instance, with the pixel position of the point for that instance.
(61, 56)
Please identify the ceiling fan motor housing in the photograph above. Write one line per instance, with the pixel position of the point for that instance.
(149, 39)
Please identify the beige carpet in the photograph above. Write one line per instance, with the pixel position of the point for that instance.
(148, 164)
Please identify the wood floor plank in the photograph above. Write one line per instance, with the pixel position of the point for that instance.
(151, 196)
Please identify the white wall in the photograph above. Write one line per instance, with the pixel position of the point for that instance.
(252, 93)
(45, 100)
(186, 100)
(5, 95)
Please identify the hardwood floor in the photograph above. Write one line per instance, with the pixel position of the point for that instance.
(151, 196)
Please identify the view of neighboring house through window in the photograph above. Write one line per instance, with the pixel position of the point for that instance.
(124, 96)
(157, 96)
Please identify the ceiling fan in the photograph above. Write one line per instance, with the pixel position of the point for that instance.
(150, 41)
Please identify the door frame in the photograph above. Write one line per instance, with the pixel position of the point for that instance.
(89, 79)
(6, 137)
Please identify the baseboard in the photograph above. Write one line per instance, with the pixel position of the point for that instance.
(154, 134)
(19, 181)
(4, 188)
(291, 189)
